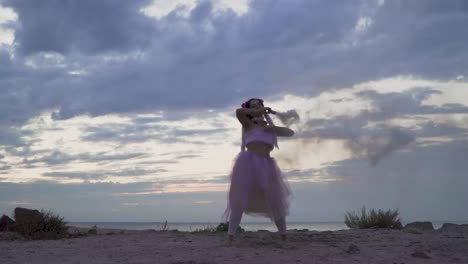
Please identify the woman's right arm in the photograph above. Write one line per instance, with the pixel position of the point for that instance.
(244, 113)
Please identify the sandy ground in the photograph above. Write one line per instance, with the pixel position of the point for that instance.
(345, 246)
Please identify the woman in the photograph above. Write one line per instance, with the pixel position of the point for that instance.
(257, 185)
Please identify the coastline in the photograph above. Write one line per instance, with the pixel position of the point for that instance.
(194, 226)
(248, 226)
(151, 246)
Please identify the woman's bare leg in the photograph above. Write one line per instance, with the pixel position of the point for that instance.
(281, 225)
(234, 221)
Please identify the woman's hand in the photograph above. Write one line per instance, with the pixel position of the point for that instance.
(268, 110)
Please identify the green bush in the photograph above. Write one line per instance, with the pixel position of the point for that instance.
(373, 219)
(224, 227)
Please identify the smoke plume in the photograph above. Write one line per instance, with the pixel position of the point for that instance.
(288, 118)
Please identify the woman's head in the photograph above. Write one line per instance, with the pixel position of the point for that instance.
(253, 103)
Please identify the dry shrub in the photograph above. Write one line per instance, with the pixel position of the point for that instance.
(164, 227)
(373, 219)
(47, 225)
(206, 229)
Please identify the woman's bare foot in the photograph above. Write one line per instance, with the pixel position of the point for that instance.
(230, 240)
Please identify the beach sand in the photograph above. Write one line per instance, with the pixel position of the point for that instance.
(150, 246)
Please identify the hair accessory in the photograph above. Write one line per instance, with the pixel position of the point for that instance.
(246, 104)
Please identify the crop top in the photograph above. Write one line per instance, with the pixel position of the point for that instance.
(264, 135)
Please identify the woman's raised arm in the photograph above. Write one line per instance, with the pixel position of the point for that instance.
(244, 115)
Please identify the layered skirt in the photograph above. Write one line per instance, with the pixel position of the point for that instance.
(257, 188)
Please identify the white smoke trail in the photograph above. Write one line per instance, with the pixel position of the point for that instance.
(377, 147)
(289, 117)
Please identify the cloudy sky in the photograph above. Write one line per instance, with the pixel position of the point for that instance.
(125, 111)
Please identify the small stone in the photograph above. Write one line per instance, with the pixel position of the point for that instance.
(93, 230)
(353, 249)
(413, 231)
(420, 254)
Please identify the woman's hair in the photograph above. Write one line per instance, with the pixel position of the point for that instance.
(247, 103)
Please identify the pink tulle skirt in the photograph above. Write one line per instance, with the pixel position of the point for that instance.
(257, 188)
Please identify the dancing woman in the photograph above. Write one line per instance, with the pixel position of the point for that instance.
(257, 185)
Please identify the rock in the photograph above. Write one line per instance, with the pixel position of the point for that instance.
(454, 227)
(28, 221)
(413, 231)
(6, 224)
(73, 231)
(93, 230)
(353, 249)
(424, 226)
(420, 254)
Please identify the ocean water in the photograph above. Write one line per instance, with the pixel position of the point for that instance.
(248, 226)
(190, 227)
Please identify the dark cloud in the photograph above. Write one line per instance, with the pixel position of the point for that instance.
(378, 145)
(101, 175)
(407, 37)
(375, 142)
(23, 150)
(10, 136)
(199, 132)
(77, 175)
(4, 167)
(80, 26)
(177, 70)
(187, 156)
(164, 161)
(145, 120)
(424, 182)
(410, 102)
(311, 36)
(58, 157)
(141, 132)
(434, 129)
(308, 174)
(83, 58)
(119, 133)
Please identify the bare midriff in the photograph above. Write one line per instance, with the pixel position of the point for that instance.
(259, 148)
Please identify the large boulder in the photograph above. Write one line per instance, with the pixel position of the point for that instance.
(454, 227)
(423, 226)
(28, 221)
(6, 224)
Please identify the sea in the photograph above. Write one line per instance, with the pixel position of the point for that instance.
(192, 227)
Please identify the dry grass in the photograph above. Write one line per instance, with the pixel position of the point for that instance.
(207, 228)
(164, 227)
(373, 219)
